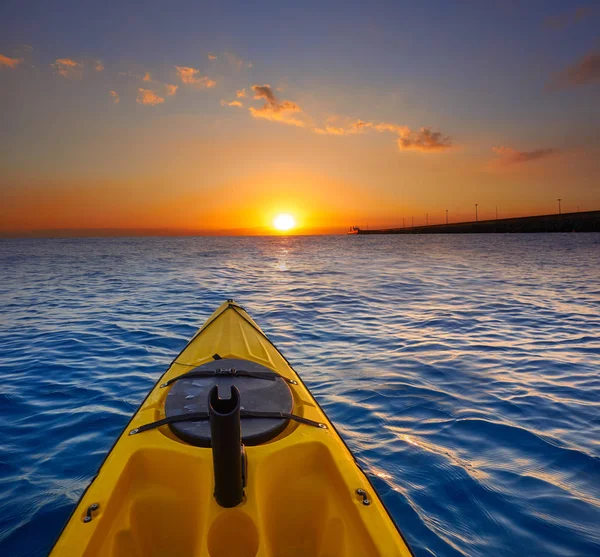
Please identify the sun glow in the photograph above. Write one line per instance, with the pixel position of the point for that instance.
(284, 222)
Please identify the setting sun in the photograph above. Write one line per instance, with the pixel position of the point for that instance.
(284, 222)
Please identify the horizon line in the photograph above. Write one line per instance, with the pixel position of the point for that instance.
(117, 232)
(158, 232)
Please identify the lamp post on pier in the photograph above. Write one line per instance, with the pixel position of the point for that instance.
(476, 211)
(559, 200)
(446, 216)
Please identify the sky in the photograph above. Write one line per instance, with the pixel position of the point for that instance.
(215, 117)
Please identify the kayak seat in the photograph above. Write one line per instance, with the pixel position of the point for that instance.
(260, 388)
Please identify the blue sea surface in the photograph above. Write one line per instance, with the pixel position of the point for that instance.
(462, 371)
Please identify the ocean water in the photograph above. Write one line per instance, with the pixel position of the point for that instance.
(462, 371)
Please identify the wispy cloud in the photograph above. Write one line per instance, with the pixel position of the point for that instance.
(12, 63)
(67, 67)
(148, 97)
(392, 128)
(98, 65)
(237, 62)
(115, 96)
(585, 70)
(191, 76)
(211, 56)
(274, 109)
(147, 77)
(171, 89)
(333, 127)
(332, 130)
(231, 103)
(563, 20)
(423, 140)
(508, 155)
(289, 112)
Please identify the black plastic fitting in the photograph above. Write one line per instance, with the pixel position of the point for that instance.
(227, 448)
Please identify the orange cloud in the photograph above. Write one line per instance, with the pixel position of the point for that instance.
(273, 109)
(424, 140)
(331, 130)
(147, 77)
(98, 65)
(508, 155)
(115, 96)
(359, 126)
(67, 67)
(240, 93)
(211, 57)
(191, 76)
(232, 103)
(171, 89)
(392, 128)
(12, 63)
(332, 127)
(584, 71)
(148, 97)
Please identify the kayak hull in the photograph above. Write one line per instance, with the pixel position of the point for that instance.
(153, 495)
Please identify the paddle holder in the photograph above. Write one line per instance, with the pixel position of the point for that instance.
(229, 460)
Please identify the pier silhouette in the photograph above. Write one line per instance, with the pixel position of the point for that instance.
(586, 221)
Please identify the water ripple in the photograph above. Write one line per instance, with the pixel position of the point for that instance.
(462, 371)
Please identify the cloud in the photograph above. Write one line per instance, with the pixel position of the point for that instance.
(98, 65)
(232, 103)
(331, 130)
(264, 92)
(358, 126)
(115, 96)
(563, 20)
(286, 112)
(424, 140)
(240, 93)
(211, 56)
(392, 128)
(148, 97)
(147, 77)
(236, 61)
(273, 109)
(171, 89)
(12, 63)
(585, 70)
(67, 67)
(191, 76)
(508, 155)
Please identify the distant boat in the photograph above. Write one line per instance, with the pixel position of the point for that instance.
(353, 230)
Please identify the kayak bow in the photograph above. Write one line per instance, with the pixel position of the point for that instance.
(229, 455)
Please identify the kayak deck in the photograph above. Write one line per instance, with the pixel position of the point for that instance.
(153, 495)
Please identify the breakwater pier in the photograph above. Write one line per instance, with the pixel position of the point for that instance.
(585, 221)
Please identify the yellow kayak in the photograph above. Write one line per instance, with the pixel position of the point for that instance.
(230, 455)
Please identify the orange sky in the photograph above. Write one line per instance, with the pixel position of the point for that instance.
(199, 131)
